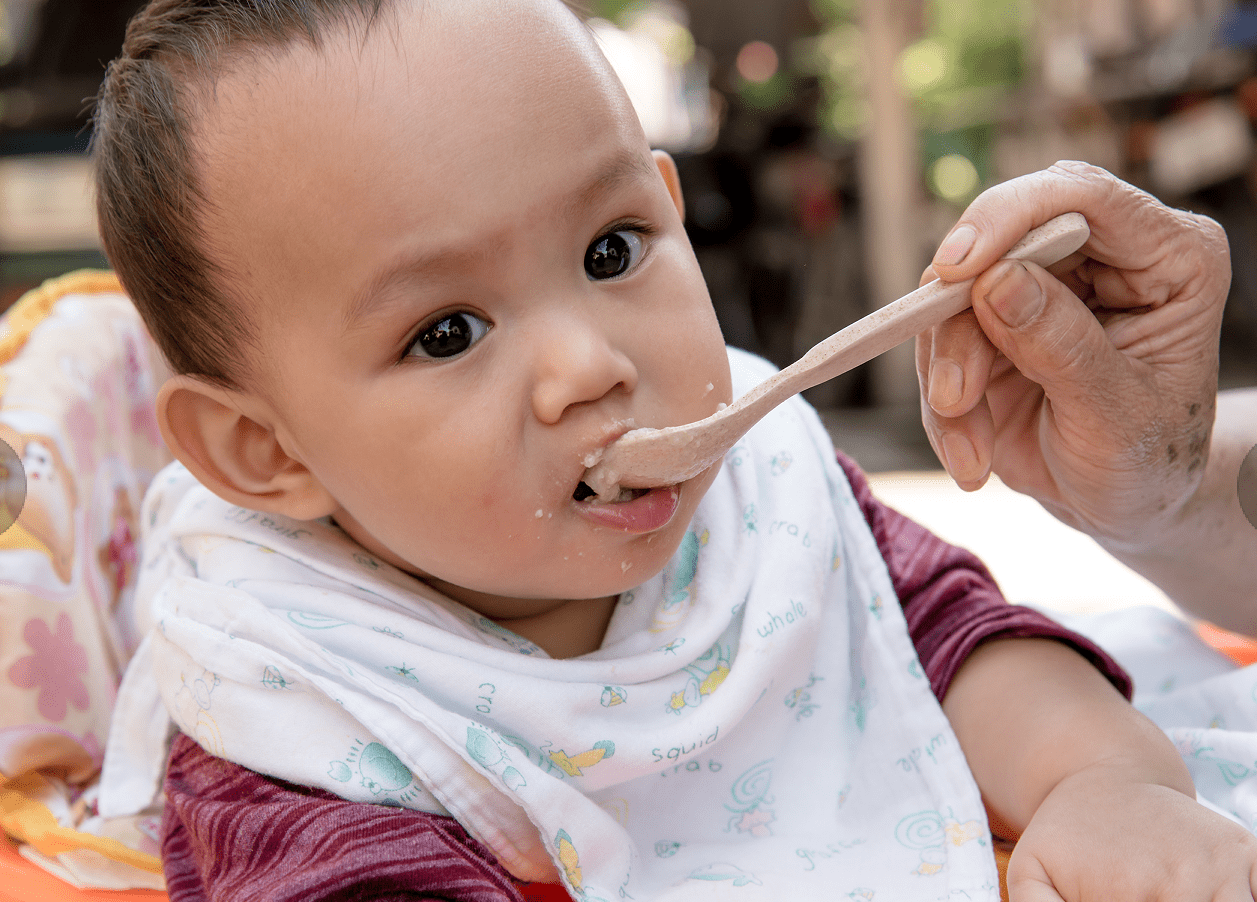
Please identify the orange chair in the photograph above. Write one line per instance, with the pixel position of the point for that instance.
(22, 881)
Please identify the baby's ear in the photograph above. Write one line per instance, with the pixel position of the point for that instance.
(668, 169)
(227, 440)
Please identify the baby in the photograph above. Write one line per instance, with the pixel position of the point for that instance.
(414, 265)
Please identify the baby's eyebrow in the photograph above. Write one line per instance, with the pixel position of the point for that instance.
(624, 167)
(368, 299)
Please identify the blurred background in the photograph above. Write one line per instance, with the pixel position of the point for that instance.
(825, 147)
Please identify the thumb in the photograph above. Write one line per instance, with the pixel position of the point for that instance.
(1028, 880)
(1050, 335)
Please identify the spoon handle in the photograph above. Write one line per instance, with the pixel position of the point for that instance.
(652, 457)
(919, 310)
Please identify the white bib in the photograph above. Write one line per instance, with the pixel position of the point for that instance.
(756, 724)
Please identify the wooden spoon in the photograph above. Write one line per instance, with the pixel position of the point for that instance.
(655, 457)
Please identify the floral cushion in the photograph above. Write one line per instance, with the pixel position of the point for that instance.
(78, 376)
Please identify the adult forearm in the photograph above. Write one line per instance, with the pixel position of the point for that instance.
(1206, 559)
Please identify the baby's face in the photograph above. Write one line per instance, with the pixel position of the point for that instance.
(469, 276)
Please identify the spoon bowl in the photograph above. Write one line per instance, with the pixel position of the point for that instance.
(655, 457)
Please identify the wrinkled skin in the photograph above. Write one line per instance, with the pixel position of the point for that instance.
(1098, 399)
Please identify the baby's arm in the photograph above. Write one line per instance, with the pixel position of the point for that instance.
(1103, 803)
(949, 598)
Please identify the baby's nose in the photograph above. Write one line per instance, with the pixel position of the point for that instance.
(576, 364)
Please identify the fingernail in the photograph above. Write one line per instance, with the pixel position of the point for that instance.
(956, 246)
(962, 459)
(1016, 297)
(947, 382)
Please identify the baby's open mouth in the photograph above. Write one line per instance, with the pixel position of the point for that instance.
(634, 511)
(584, 493)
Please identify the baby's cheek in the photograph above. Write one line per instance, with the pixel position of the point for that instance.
(488, 497)
(487, 488)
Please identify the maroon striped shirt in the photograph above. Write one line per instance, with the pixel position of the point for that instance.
(232, 835)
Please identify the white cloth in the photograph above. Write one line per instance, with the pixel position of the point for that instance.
(1197, 695)
(756, 724)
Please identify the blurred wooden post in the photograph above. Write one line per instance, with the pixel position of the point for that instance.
(889, 184)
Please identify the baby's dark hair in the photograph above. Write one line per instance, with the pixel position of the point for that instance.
(149, 200)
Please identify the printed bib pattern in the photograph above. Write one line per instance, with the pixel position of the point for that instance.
(756, 724)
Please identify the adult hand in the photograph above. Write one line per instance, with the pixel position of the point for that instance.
(1091, 388)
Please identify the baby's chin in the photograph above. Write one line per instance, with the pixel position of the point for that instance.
(594, 571)
(579, 578)
(571, 583)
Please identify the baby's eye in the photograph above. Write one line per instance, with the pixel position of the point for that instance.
(448, 336)
(613, 254)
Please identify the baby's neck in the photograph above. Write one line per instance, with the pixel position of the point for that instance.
(570, 629)
(564, 628)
